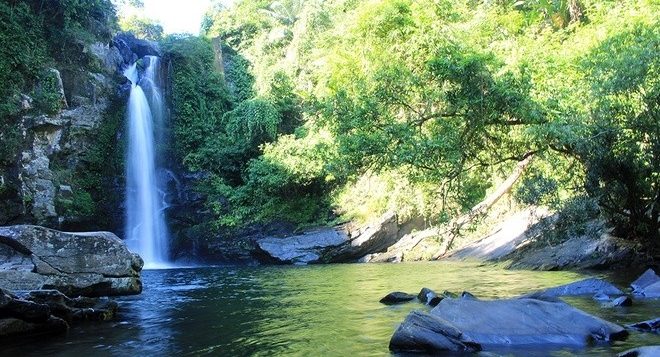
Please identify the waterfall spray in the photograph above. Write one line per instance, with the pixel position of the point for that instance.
(145, 197)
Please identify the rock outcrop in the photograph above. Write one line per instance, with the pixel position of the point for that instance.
(76, 264)
(48, 312)
(647, 285)
(333, 245)
(467, 325)
(590, 286)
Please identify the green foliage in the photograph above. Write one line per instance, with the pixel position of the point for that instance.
(623, 155)
(47, 96)
(35, 35)
(142, 27)
(433, 102)
(199, 98)
(240, 81)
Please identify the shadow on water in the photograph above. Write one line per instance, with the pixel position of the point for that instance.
(329, 310)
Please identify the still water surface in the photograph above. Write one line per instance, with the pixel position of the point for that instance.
(329, 310)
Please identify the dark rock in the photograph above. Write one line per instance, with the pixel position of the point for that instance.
(81, 308)
(652, 325)
(11, 327)
(647, 285)
(621, 301)
(396, 297)
(76, 264)
(646, 351)
(435, 301)
(132, 48)
(422, 332)
(467, 295)
(583, 287)
(426, 295)
(459, 324)
(13, 307)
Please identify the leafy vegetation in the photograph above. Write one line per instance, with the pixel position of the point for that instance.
(433, 102)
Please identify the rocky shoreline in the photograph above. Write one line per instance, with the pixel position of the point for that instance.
(51, 279)
(537, 320)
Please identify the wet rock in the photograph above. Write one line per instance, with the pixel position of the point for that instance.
(132, 48)
(467, 295)
(435, 301)
(422, 332)
(583, 287)
(652, 325)
(77, 309)
(472, 325)
(12, 327)
(23, 317)
(647, 285)
(426, 295)
(646, 351)
(396, 297)
(621, 301)
(77, 264)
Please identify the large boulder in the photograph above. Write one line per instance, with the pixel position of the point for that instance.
(590, 286)
(332, 245)
(473, 325)
(132, 48)
(77, 264)
(647, 285)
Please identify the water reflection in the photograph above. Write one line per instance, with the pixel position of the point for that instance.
(312, 311)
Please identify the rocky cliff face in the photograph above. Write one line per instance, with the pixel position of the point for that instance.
(38, 185)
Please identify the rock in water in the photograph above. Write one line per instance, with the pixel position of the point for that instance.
(396, 297)
(426, 295)
(76, 264)
(646, 351)
(472, 325)
(621, 301)
(589, 286)
(647, 285)
(652, 325)
(22, 317)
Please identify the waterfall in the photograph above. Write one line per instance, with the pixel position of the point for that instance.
(145, 194)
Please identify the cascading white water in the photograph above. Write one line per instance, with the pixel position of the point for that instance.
(145, 198)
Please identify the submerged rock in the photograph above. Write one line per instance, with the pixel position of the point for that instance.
(473, 325)
(426, 295)
(646, 351)
(396, 297)
(621, 301)
(76, 264)
(589, 286)
(647, 285)
(652, 325)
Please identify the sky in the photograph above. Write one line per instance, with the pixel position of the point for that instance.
(176, 16)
